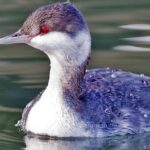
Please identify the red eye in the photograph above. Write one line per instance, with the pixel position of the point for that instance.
(45, 29)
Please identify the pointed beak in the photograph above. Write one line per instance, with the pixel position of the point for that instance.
(15, 38)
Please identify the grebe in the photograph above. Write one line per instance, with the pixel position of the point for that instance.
(76, 102)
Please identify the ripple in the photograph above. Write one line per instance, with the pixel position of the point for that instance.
(115, 143)
(136, 26)
(131, 48)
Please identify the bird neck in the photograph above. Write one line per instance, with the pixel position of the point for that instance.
(68, 63)
(64, 85)
(66, 76)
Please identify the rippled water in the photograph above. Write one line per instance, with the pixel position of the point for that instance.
(24, 71)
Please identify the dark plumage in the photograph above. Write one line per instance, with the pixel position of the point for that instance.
(60, 17)
(113, 98)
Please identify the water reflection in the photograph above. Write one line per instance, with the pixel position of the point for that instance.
(138, 142)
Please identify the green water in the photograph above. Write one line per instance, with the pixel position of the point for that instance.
(24, 70)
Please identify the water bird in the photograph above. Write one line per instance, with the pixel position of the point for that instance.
(79, 102)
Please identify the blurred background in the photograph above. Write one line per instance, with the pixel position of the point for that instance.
(24, 70)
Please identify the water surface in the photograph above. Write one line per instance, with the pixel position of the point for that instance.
(24, 70)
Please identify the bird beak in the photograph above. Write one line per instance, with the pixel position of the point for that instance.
(15, 38)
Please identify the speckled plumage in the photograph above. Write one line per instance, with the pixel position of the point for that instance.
(116, 101)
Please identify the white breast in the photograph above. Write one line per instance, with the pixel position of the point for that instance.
(54, 119)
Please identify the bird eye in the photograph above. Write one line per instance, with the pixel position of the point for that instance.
(44, 29)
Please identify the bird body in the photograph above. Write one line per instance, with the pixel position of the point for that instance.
(79, 102)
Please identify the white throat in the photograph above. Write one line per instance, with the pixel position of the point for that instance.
(64, 47)
(50, 115)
